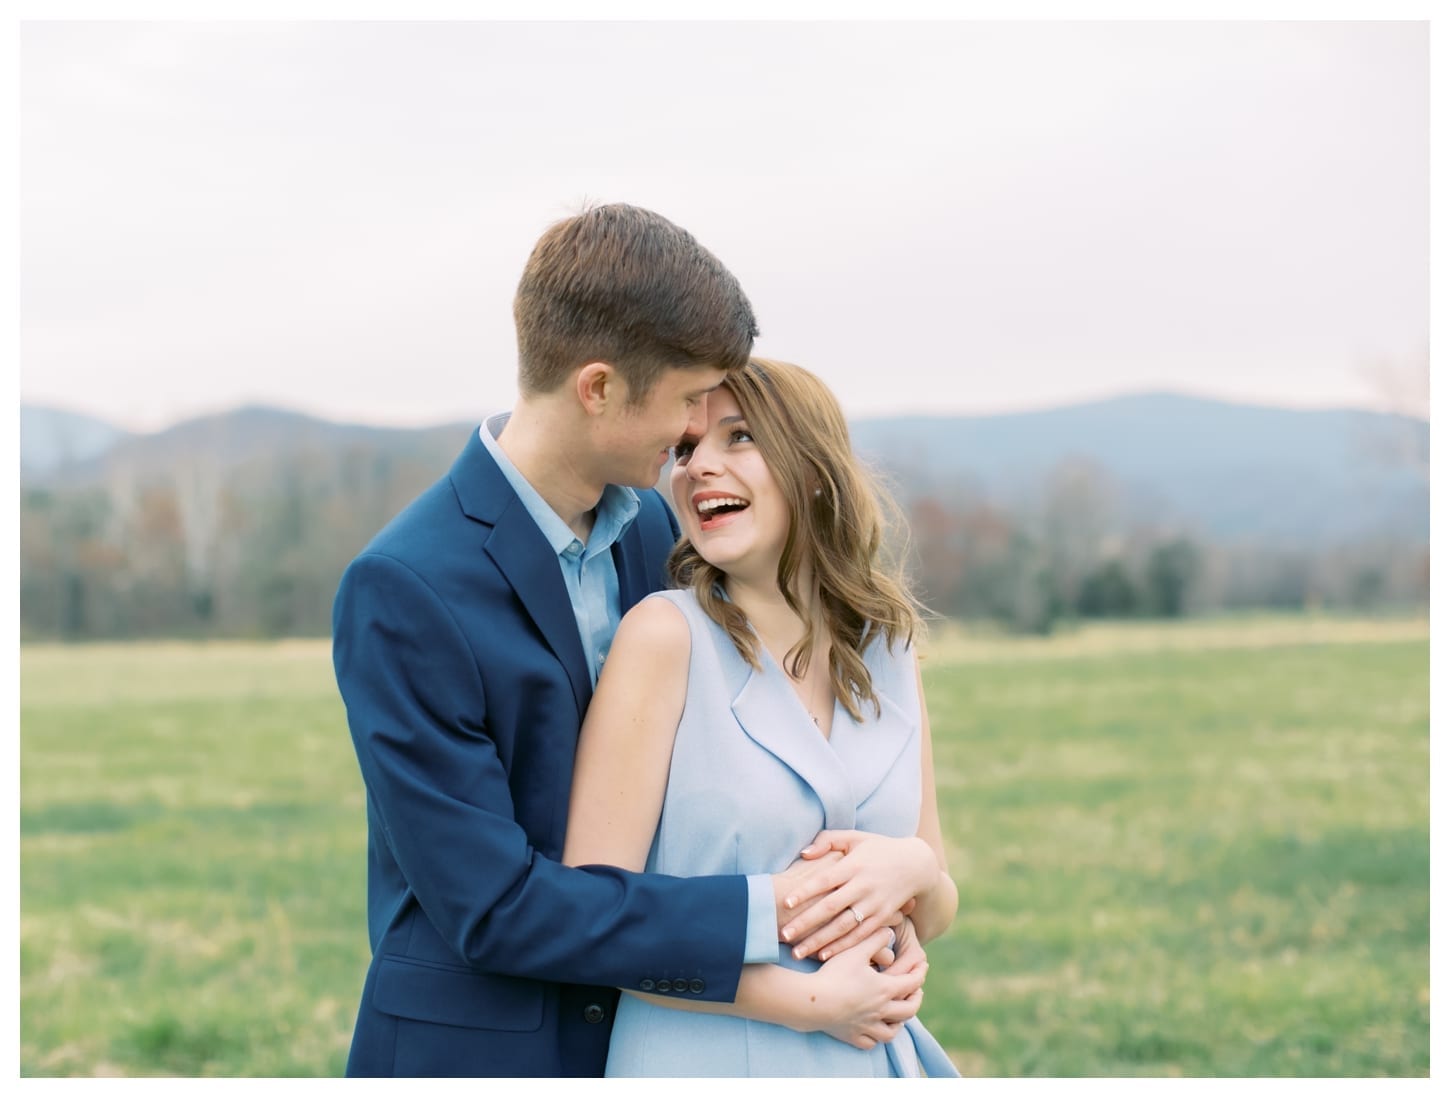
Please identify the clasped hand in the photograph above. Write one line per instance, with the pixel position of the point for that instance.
(873, 979)
(865, 1007)
(847, 885)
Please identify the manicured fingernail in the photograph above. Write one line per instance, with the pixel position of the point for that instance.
(790, 902)
(825, 954)
(788, 933)
(796, 953)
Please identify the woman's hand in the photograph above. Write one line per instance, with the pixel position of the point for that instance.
(840, 903)
(787, 883)
(860, 1006)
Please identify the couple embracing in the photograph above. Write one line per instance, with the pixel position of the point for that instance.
(733, 817)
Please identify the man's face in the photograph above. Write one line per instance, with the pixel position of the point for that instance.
(638, 438)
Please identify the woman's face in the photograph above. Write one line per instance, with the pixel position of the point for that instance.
(730, 506)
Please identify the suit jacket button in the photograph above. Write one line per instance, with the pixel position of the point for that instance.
(594, 1014)
(663, 985)
(682, 984)
(646, 984)
(697, 985)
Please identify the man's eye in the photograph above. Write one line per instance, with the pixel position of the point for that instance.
(683, 450)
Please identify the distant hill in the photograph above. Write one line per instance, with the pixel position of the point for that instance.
(256, 433)
(51, 438)
(1232, 472)
(247, 435)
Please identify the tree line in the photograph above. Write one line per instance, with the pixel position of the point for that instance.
(256, 550)
(1074, 546)
(206, 550)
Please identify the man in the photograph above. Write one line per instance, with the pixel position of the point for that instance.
(467, 638)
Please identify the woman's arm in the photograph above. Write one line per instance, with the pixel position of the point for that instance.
(937, 906)
(622, 763)
(846, 997)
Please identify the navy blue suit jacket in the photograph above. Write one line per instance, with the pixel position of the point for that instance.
(460, 663)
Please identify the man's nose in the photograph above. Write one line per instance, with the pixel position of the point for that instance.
(696, 427)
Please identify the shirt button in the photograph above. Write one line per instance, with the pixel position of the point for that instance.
(594, 1014)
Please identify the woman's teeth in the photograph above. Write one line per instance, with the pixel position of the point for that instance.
(709, 506)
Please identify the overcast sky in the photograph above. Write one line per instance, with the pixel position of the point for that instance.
(944, 217)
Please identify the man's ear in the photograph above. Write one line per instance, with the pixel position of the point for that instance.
(597, 384)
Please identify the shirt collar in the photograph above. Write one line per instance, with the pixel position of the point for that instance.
(613, 513)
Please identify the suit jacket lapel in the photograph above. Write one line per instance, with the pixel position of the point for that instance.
(528, 562)
(524, 556)
(630, 569)
(642, 549)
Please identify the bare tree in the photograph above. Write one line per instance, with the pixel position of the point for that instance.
(198, 498)
(1402, 386)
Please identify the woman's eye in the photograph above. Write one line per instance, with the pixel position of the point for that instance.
(740, 435)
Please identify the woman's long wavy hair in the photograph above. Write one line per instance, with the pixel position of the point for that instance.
(837, 525)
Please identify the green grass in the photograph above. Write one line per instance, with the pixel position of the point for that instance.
(1180, 858)
(1197, 850)
(192, 845)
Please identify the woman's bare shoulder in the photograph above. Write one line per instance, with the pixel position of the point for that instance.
(655, 626)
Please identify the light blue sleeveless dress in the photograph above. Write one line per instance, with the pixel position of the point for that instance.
(752, 781)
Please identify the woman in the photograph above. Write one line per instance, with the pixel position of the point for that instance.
(774, 693)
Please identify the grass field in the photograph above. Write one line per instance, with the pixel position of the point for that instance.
(1190, 850)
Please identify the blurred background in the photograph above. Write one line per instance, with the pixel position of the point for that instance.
(1131, 318)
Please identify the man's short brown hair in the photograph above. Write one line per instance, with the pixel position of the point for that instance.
(623, 285)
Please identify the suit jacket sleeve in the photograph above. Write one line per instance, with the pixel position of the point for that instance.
(416, 709)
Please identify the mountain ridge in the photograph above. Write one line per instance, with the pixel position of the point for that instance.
(1229, 470)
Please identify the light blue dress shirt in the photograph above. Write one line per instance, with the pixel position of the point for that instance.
(589, 573)
(593, 586)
